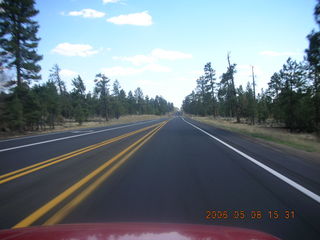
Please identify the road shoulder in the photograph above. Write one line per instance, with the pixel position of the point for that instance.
(311, 157)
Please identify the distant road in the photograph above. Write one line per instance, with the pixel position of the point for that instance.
(167, 170)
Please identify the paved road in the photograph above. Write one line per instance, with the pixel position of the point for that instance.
(176, 171)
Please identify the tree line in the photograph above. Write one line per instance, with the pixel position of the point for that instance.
(26, 105)
(292, 97)
(45, 105)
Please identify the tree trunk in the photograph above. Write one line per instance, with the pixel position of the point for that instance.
(18, 54)
(234, 93)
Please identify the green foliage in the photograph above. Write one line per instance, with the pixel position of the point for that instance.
(203, 101)
(102, 91)
(79, 114)
(42, 106)
(14, 117)
(18, 40)
(263, 106)
(56, 79)
(290, 98)
(313, 57)
(210, 86)
(78, 86)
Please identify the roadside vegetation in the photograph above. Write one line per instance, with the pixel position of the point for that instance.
(308, 142)
(286, 112)
(71, 125)
(26, 105)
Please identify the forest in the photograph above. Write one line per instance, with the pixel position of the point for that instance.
(26, 104)
(292, 99)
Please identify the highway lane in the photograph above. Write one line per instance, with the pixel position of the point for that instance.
(31, 150)
(177, 176)
(302, 171)
(22, 196)
(35, 139)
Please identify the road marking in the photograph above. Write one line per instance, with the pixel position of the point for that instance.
(82, 131)
(62, 196)
(35, 167)
(32, 136)
(265, 167)
(64, 211)
(73, 136)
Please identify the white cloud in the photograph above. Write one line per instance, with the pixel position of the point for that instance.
(149, 83)
(156, 68)
(120, 71)
(87, 13)
(136, 60)
(126, 71)
(68, 49)
(197, 73)
(66, 73)
(110, 1)
(145, 63)
(169, 55)
(277, 54)
(156, 54)
(138, 19)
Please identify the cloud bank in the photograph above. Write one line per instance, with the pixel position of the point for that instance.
(69, 49)
(137, 19)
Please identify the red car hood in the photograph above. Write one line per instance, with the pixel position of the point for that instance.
(134, 231)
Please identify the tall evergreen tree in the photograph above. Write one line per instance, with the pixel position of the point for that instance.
(227, 93)
(131, 103)
(230, 73)
(102, 89)
(138, 96)
(313, 57)
(287, 88)
(203, 96)
(210, 78)
(56, 79)
(18, 40)
(78, 86)
(116, 103)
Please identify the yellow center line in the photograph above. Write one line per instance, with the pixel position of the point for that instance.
(63, 212)
(35, 167)
(58, 199)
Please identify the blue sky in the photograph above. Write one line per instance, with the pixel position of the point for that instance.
(162, 46)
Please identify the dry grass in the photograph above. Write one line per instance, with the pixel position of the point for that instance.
(99, 122)
(96, 122)
(302, 141)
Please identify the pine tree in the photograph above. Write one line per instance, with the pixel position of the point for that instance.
(231, 71)
(102, 89)
(210, 78)
(116, 88)
(138, 96)
(56, 79)
(203, 96)
(313, 57)
(18, 40)
(116, 103)
(78, 86)
(227, 94)
(131, 103)
(287, 88)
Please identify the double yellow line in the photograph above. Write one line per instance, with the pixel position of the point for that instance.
(96, 177)
(35, 167)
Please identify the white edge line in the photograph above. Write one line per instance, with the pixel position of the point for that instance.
(270, 170)
(73, 136)
(32, 136)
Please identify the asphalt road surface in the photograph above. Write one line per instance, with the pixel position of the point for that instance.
(168, 170)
